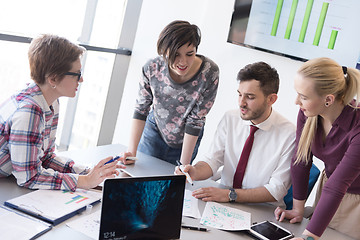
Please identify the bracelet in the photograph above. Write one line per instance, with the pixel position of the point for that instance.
(306, 237)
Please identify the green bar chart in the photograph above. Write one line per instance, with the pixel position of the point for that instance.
(305, 29)
(277, 17)
(321, 22)
(288, 12)
(291, 19)
(305, 22)
(332, 40)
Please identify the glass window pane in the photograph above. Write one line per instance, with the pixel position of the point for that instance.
(92, 97)
(64, 18)
(14, 70)
(31, 18)
(107, 23)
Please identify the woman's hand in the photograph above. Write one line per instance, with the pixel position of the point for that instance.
(293, 215)
(98, 173)
(123, 157)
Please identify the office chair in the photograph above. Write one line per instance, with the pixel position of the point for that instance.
(314, 174)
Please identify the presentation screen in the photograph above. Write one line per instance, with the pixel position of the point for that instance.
(299, 29)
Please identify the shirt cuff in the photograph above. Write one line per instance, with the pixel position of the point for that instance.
(69, 181)
(192, 131)
(214, 167)
(278, 192)
(81, 169)
(139, 116)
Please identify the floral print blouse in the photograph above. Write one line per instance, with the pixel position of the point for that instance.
(178, 107)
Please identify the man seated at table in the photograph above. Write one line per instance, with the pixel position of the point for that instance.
(267, 164)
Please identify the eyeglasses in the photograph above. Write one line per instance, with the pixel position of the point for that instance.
(73, 74)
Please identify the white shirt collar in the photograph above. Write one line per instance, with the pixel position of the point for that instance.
(265, 125)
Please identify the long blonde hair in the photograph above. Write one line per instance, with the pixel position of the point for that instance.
(329, 78)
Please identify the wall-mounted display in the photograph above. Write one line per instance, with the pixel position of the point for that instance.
(299, 29)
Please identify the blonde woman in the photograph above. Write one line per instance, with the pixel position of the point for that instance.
(328, 127)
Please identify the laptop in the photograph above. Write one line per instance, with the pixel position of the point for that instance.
(142, 207)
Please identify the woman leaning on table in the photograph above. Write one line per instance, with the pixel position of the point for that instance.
(328, 127)
(176, 92)
(29, 118)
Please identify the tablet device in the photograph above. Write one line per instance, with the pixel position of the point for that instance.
(270, 231)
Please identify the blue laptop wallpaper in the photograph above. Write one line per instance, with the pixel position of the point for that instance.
(142, 208)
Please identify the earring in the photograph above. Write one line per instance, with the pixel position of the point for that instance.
(326, 104)
(54, 86)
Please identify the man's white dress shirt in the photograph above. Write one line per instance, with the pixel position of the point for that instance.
(270, 157)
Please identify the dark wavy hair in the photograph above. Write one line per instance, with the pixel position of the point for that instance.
(175, 35)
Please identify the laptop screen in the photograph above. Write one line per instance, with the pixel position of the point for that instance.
(142, 207)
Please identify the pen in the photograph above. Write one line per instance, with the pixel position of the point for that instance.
(181, 167)
(117, 157)
(113, 159)
(194, 228)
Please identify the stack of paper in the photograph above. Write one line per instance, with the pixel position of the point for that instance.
(16, 225)
(54, 206)
(190, 208)
(216, 215)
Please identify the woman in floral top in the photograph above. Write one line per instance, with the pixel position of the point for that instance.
(176, 92)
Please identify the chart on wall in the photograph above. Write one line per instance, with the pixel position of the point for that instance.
(303, 29)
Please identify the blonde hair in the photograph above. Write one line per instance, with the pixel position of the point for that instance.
(329, 78)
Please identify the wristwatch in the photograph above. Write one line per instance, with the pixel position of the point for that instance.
(232, 195)
(305, 237)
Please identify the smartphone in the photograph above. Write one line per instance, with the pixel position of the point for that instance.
(270, 231)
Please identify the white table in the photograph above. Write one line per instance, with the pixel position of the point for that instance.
(150, 166)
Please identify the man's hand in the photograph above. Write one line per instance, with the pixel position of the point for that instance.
(187, 169)
(212, 194)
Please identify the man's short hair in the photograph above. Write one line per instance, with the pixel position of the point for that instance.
(262, 72)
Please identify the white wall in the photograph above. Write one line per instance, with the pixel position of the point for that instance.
(213, 18)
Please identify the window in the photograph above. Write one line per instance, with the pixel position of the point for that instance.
(14, 71)
(97, 25)
(92, 98)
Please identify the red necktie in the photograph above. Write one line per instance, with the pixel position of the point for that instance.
(240, 170)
